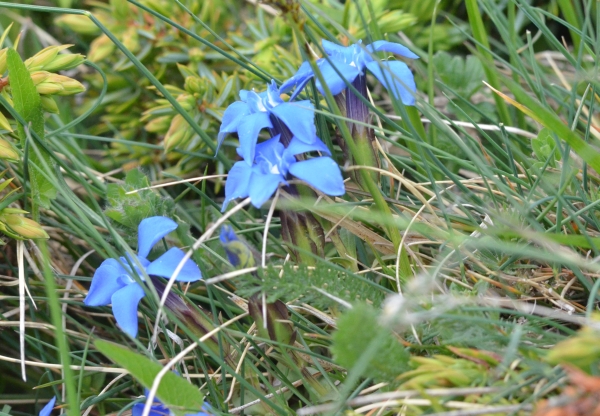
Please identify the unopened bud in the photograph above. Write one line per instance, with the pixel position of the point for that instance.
(3, 62)
(179, 132)
(65, 62)
(69, 86)
(39, 76)
(7, 152)
(78, 23)
(187, 102)
(22, 228)
(100, 48)
(4, 124)
(48, 83)
(159, 124)
(44, 57)
(195, 85)
(49, 104)
(196, 54)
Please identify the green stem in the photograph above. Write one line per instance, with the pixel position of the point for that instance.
(61, 339)
(483, 46)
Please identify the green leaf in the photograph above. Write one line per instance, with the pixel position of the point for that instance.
(129, 209)
(356, 329)
(548, 118)
(543, 146)
(176, 393)
(28, 104)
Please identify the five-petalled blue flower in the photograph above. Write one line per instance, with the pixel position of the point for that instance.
(272, 164)
(262, 110)
(113, 281)
(351, 62)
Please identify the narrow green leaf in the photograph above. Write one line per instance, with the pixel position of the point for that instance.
(28, 104)
(174, 391)
(547, 118)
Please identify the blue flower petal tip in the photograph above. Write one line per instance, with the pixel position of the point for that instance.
(47, 409)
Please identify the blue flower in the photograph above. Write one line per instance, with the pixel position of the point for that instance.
(113, 282)
(351, 62)
(159, 409)
(272, 164)
(48, 408)
(262, 110)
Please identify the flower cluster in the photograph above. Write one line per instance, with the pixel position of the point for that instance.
(266, 165)
(113, 281)
(291, 124)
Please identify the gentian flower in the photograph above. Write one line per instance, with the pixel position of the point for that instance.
(48, 408)
(159, 409)
(272, 164)
(351, 62)
(262, 110)
(113, 281)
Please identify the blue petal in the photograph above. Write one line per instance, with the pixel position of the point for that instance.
(322, 173)
(48, 408)
(255, 101)
(166, 264)
(334, 49)
(299, 117)
(104, 283)
(151, 230)
(382, 45)
(336, 83)
(231, 120)
(157, 410)
(237, 183)
(248, 131)
(396, 77)
(273, 95)
(298, 80)
(124, 305)
(297, 146)
(262, 187)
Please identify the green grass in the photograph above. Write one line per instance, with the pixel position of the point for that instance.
(459, 274)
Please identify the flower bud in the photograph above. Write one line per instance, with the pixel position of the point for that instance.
(179, 132)
(39, 76)
(195, 85)
(78, 23)
(49, 104)
(100, 48)
(159, 125)
(196, 54)
(3, 62)
(64, 62)
(7, 151)
(44, 57)
(187, 102)
(22, 228)
(4, 124)
(69, 86)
